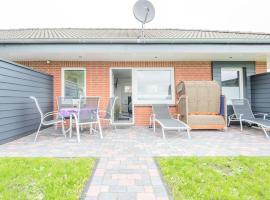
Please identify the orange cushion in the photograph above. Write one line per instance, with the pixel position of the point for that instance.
(203, 113)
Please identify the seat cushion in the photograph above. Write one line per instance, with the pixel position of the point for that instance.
(172, 123)
(206, 120)
(265, 123)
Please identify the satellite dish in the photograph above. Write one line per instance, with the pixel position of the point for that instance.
(144, 12)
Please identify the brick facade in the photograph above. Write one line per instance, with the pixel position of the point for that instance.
(261, 67)
(98, 78)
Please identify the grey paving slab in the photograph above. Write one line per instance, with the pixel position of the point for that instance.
(126, 169)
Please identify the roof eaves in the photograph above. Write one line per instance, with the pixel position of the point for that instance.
(134, 41)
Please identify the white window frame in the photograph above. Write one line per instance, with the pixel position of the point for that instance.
(241, 79)
(149, 102)
(63, 78)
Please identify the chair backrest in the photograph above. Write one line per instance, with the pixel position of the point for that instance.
(161, 111)
(110, 107)
(64, 102)
(88, 109)
(37, 105)
(242, 106)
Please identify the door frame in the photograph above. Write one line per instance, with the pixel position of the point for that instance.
(112, 92)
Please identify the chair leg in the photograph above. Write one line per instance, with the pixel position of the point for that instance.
(78, 132)
(63, 129)
(188, 133)
(70, 127)
(90, 128)
(241, 125)
(229, 122)
(163, 133)
(265, 132)
(37, 132)
(100, 129)
(81, 128)
(154, 126)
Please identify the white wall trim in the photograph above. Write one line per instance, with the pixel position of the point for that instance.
(134, 84)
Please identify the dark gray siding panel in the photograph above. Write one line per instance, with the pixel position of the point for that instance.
(248, 70)
(260, 93)
(18, 114)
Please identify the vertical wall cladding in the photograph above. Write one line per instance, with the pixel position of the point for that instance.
(260, 93)
(18, 114)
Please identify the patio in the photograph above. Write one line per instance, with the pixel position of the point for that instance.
(142, 142)
(126, 169)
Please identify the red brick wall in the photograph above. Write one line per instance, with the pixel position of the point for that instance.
(261, 67)
(97, 78)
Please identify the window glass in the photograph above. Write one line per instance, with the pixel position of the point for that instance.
(74, 83)
(232, 83)
(230, 78)
(154, 85)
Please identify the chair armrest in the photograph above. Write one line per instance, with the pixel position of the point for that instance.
(181, 98)
(263, 114)
(240, 116)
(183, 108)
(52, 114)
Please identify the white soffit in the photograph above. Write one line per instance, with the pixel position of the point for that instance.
(133, 52)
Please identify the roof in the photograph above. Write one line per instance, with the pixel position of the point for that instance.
(167, 36)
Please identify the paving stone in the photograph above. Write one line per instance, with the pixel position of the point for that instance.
(127, 196)
(126, 169)
(107, 196)
(97, 180)
(135, 188)
(117, 188)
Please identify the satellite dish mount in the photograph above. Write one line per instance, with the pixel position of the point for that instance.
(144, 12)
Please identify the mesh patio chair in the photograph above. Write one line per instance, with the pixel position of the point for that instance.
(44, 118)
(162, 116)
(243, 113)
(64, 102)
(109, 112)
(88, 114)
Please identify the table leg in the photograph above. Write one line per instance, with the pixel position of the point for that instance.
(70, 126)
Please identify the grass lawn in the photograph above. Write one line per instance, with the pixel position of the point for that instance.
(44, 178)
(217, 178)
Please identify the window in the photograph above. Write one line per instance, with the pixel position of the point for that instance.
(153, 86)
(128, 89)
(232, 83)
(73, 83)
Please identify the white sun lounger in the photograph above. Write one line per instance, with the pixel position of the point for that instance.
(162, 116)
(243, 113)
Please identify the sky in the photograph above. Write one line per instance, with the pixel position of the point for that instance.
(228, 15)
